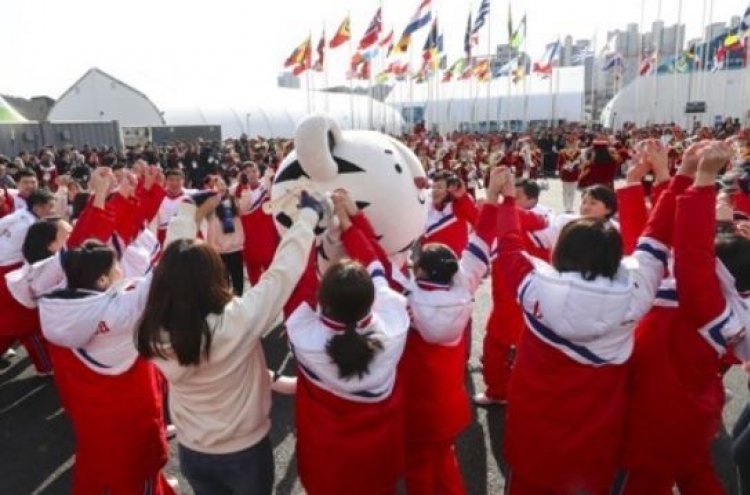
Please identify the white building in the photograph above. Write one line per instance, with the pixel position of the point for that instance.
(271, 112)
(663, 98)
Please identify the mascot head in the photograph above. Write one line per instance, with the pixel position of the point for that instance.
(380, 173)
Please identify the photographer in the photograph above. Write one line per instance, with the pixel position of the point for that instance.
(225, 234)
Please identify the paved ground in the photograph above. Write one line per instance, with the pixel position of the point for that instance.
(36, 444)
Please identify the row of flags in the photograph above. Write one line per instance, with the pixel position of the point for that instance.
(373, 43)
(714, 53)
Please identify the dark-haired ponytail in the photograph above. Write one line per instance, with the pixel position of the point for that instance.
(353, 352)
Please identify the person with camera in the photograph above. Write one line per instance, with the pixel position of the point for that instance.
(450, 213)
(226, 235)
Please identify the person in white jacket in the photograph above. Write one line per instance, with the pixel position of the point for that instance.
(206, 342)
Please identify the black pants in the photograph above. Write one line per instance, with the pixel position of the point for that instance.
(741, 449)
(247, 472)
(236, 270)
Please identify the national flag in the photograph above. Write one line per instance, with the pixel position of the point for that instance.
(510, 25)
(306, 62)
(364, 71)
(467, 38)
(383, 77)
(719, 58)
(647, 64)
(318, 66)
(612, 61)
(482, 70)
(468, 72)
(343, 34)
(388, 39)
(400, 71)
(745, 22)
(431, 49)
(373, 31)
(484, 10)
(582, 56)
(420, 19)
(732, 42)
(298, 54)
(519, 73)
(519, 35)
(544, 66)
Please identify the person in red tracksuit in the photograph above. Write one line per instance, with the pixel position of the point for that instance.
(601, 168)
(20, 323)
(505, 322)
(565, 421)
(261, 236)
(432, 368)
(349, 410)
(450, 214)
(102, 382)
(677, 395)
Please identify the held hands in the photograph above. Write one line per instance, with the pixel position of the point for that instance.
(101, 182)
(494, 189)
(690, 159)
(713, 157)
(508, 185)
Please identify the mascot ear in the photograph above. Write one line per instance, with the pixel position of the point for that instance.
(412, 162)
(316, 137)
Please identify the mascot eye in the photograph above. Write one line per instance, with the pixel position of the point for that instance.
(398, 168)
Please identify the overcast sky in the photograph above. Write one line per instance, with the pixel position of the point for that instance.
(239, 45)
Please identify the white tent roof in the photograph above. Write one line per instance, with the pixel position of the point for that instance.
(266, 112)
(663, 98)
(462, 102)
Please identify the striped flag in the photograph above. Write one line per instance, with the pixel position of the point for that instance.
(519, 35)
(343, 34)
(647, 64)
(298, 55)
(484, 10)
(420, 19)
(306, 62)
(544, 66)
(373, 31)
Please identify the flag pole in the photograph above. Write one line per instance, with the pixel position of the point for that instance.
(489, 69)
(525, 76)
(326, 82)
(593, 82)
(655, 72)
(640, 54)
(351, 74)
(677, 48)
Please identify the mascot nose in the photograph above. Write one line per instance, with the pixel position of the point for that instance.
(420, 182)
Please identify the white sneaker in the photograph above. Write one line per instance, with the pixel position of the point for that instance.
(9, 354)
(285, 385)
(483, 400)
(173, 482)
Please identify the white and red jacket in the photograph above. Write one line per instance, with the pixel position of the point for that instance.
(450, 224)
(433, 366)
(100, 377)
(13, 229)
(677, 396)
(168, 210)
(568, 390)
(349, 432)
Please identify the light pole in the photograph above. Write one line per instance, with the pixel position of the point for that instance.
(247, 124)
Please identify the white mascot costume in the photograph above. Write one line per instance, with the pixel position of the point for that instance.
(380, 173)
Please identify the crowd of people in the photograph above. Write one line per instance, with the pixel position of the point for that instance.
(612, 322)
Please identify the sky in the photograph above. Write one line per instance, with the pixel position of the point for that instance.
(236, 47)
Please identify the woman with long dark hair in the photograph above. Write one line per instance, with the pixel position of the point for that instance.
(206, 342)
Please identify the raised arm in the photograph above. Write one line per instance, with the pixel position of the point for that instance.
(475, 261)
(516, 267)
(695, 258)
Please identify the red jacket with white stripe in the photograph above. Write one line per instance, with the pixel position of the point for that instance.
(677, 396)
(432, 368)
(566, 403)
(349, 432)
(450, 225)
